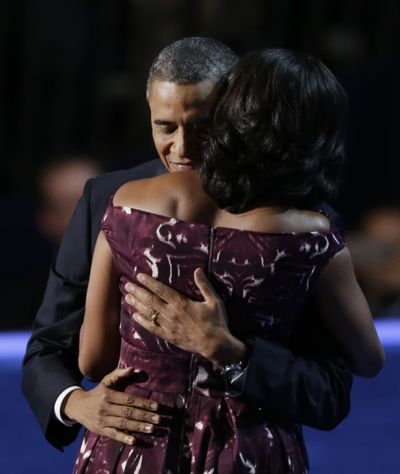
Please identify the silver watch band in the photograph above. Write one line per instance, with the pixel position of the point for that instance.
(235, 374)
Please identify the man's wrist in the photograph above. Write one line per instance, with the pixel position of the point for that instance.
(227, 350)
(60, 406)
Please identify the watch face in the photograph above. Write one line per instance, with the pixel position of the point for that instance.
(232, 372)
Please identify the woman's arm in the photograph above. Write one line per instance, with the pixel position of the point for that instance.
(99, 342)
(347, 316)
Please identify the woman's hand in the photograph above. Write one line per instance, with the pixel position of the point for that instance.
(193, 326)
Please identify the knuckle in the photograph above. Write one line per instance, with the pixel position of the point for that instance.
(128, 412)
(99, 412)
(122, 423)
(130, 399)
(149, 300)
(134, 401)
(160, 289)
(139, 402)
(139, 415)
(133, 416)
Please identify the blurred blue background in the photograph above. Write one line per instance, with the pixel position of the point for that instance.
(367, 442)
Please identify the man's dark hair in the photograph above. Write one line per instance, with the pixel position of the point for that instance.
(277, 134)
(190, 61)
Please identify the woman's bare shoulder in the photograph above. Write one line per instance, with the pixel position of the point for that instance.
(306, 221)
(160, 194)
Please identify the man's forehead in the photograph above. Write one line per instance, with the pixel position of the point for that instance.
(189, 94)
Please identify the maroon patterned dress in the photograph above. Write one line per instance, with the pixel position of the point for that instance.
(264, 279)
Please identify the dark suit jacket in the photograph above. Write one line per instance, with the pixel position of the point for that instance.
(289, 387)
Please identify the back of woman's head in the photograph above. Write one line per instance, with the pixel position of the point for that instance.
(277, 133)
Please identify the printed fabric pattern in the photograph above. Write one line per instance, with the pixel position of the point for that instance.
(264, 280)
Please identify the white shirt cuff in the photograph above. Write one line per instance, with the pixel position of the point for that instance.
(59, 404)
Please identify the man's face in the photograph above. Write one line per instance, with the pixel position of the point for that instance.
(178, 114)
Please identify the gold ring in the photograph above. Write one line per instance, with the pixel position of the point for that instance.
(154, 317)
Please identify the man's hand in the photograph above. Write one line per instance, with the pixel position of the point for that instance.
(193, 326)
(111, 413)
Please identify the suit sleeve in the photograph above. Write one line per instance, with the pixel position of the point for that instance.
(293, 388)
(50, 362)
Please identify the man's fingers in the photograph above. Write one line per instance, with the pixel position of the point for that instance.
(145, 310)
(124, 424)
(154, 285)
(113, 377)
(143, 299)
(205, 287)
(144, 321)
(118, 435)
(164, 292)
(131, 413)
(129, 399)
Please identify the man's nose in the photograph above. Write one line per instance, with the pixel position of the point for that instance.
(181, 144)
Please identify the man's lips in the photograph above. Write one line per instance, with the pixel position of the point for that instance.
(182, 165)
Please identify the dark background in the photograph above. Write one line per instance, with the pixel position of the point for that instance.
(72, 80)
(73, 72)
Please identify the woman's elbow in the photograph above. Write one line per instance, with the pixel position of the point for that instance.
(88, 370)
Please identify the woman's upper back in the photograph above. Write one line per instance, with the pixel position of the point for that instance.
(180, 195)
(168, 227)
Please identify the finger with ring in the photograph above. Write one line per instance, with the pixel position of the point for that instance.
(154, 317)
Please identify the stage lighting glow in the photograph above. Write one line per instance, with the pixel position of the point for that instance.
(13, 344)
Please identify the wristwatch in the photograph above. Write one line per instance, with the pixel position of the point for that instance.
(232, 371)
(234, 375)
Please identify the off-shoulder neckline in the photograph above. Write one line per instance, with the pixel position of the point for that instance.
(331, 231)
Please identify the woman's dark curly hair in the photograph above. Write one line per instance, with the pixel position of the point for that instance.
(276, 136)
